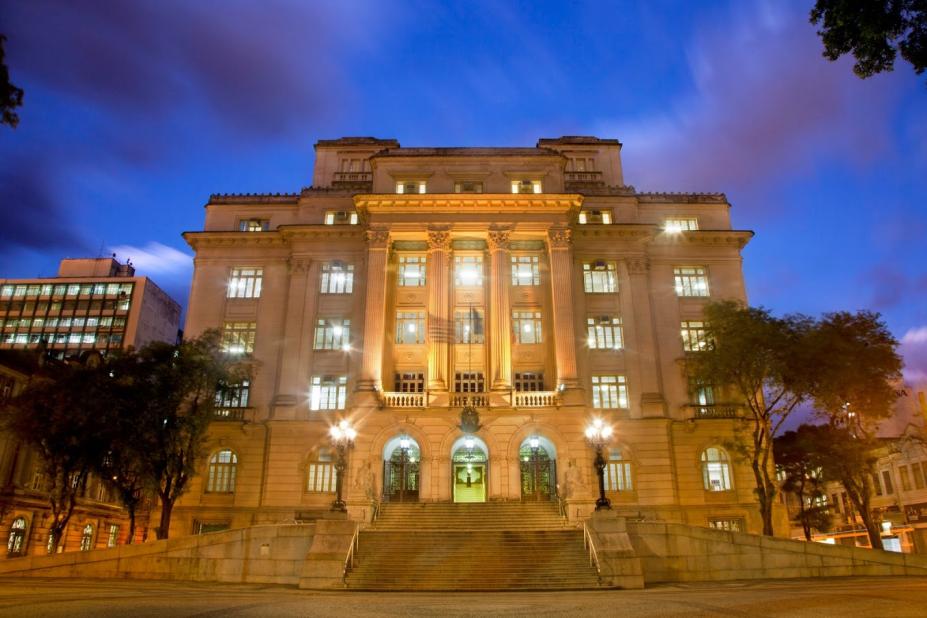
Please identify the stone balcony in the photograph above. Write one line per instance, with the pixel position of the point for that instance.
(577, 181)
(511, 399)
(233, 414)
(359, 181)
(724, 410)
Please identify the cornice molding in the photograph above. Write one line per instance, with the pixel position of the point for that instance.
(727, 238)
(623, 231)
(198, 240)
(474, 202)
(252, 198)
(676, 198)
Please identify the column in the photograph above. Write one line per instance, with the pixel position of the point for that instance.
(500, 313)
(375, 310)
(561, 275)
(293, 351)
(439, 325)
(636, 304)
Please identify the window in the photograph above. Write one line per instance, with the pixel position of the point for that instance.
(582, 164)
(526, 186)
(604, 333)
(16, 542)
(238, 337)
(205, 527)
(468, 326)
(680, 224)
(332, 334)
(702, 394)
(691, 280)
(468, 186)
(468, 270)
(410, 327)
(609, 392)
(529, 382)
(468, 382)
(876, 485)
(411, 271)
(694, 336)
(600, 277)
(223, 466)
(232, 396)
(917, 471)
(113, 535)
(245, 282)
(525, 270)
(716, 471)
(410, 382)
(328, 392)
(730, 524)
(86, 538)
(340, 217)
(835, 502)
(321, 475)
(600, 217)
(905, 478)
(337, 278)
(527, 326)
(410, 186)
(254, 225)
(618, 472)
(887, 480)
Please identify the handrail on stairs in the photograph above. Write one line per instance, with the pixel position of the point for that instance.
(349, 560)
(375, 510)
(590, 547)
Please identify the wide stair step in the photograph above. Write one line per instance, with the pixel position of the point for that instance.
(490, 546)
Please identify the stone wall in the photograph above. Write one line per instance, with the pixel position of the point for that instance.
(259, 554)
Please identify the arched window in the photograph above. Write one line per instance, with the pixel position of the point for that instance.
(716, 471)
(86, 538)
(320, 473)
(221, 478)
(17, 540)
(618, 471)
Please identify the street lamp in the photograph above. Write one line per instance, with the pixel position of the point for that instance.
(598, 434)
(342, 436)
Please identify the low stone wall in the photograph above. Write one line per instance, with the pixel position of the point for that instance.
(272, 554)
(680, 553)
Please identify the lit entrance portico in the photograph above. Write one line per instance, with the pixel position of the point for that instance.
(469, 469)
(537, 459)
(401, 461)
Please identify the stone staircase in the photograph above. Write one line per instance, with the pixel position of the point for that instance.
(489, 546)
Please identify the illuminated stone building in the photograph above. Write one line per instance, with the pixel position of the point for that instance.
(532, 284)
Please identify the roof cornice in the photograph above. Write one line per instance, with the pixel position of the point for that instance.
(386, 203)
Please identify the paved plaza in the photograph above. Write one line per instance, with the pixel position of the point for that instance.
(818, 598)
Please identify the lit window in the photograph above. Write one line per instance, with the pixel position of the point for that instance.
(245, 282)
(232, 396)
(328, 392)
(691, 280)
(702, 394)
(340, 217)
(604, 333)
(221, 475)
(321, 475)
(337, 278)
(409, 382)
(16, 542)
(468, 186)
(525, 270)
(527, 326)
(600, 217)
(600, 277)
(411, 186)
(716, 471)
(526, 186)
(411, 271)
(410, 327)
(113, 536)
(609, 392)
(6, 291)
(86, 538)
(680, 224)
(529, 382)
(731, 524)
(468, 270)
(238, 337)
(694, 336)
(469, 382)
(332, 334)
(618, 472)
(254, 225)
(468, 326)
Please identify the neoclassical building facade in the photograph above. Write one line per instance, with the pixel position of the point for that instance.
(408, 285)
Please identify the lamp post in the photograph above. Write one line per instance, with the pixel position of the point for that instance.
(342, 436)
(598, 435)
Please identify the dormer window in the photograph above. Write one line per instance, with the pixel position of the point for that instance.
(410, 186)
(526, 186)
(599, 217)
(468, 186)
(340, 217)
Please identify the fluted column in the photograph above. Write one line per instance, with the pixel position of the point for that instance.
(291, 382)
(375, 318)
(500, 316)
(439, 326)
(561, 274)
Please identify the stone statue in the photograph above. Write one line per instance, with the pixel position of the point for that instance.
(364, 478)
(573, 479)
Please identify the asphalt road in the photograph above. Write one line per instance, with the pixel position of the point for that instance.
(844, 597)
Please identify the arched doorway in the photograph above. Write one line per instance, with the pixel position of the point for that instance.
(401, 462)
(469, 470)
(538, 462)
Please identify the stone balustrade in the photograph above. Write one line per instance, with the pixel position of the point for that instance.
(717, 411)
(535, 399)
(519, 399)
(404, 400)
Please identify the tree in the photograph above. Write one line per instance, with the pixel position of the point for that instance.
(58, 416)
(11, 97)
(874, 31)
(762, 359)
(798, 458)
(855, 385)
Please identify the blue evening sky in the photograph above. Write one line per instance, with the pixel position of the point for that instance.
(136, 111)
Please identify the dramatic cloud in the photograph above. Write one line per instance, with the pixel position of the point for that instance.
(155, 259)
(914, 350)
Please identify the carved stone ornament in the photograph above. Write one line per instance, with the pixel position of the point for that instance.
(469, 420)
(638, 265)
(499, 240)
(378, 238)
(560, 238)
(439, 241)
(298, 266)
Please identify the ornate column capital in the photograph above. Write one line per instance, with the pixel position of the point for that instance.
(498, 240)
(439, 240)
(377, 238)
(638, 265)
(560, 238)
